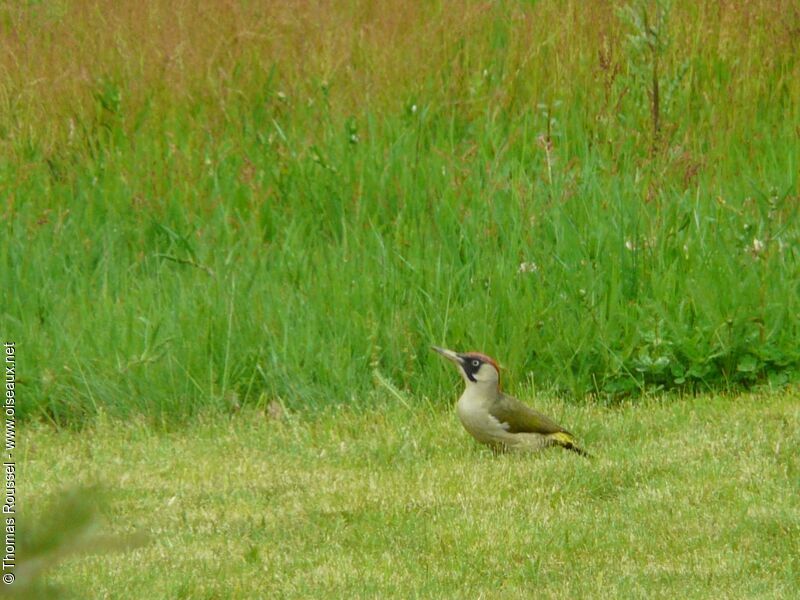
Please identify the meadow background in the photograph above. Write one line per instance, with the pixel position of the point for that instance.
(216, 204)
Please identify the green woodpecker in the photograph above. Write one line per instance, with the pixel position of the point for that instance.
(498, 420)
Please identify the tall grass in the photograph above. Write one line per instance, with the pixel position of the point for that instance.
(224, 203)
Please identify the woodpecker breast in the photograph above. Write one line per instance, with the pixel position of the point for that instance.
(473, 412)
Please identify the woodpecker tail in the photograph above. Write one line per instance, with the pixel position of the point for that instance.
(568, 441)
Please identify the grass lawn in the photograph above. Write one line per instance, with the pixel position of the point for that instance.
(685, 498)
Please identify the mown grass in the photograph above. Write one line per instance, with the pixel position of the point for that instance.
(689, 498)
(215, 206)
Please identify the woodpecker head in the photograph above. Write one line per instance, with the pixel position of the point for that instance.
(475, 368)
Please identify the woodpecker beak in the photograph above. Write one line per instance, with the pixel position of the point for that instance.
(449, 355)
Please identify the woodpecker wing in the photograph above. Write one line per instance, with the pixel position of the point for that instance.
(516, 417)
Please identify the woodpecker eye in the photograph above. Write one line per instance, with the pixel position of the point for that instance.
(476, 363)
